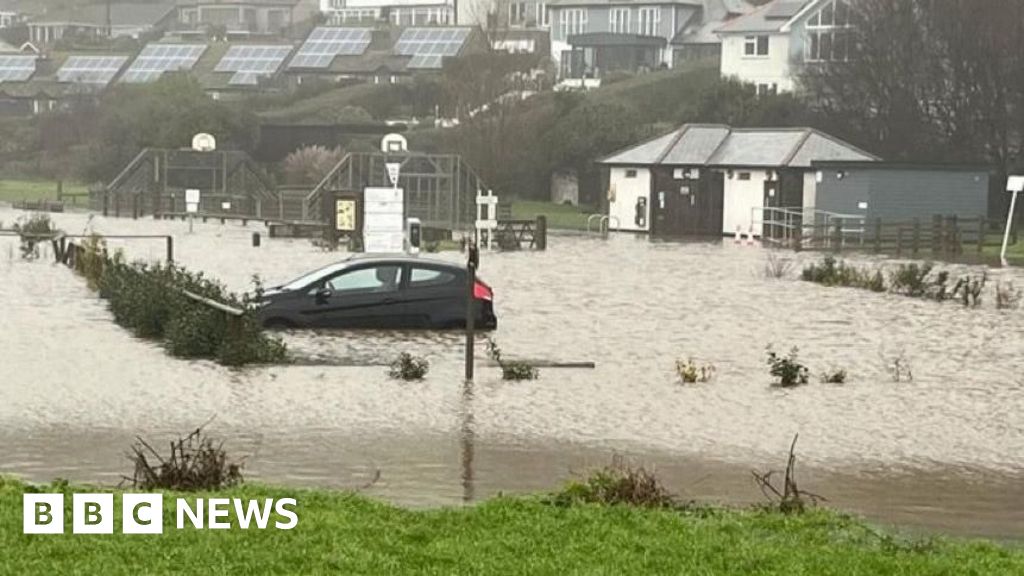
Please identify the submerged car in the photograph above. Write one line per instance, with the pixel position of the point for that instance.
(379, 292)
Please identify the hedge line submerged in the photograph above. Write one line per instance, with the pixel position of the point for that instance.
(150, 300)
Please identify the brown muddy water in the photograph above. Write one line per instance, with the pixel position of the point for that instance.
(943, 453)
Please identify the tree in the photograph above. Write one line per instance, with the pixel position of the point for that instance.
(164, 114)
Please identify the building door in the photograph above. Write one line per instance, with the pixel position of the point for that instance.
(689, 206)
(771, 216)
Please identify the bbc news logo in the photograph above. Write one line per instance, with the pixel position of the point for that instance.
(143, 513)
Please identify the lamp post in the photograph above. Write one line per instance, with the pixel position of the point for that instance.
(1014, 185)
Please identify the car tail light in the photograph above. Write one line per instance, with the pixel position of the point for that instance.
(482, 291)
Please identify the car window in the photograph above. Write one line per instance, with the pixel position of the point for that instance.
(429, 277)
(374, 279)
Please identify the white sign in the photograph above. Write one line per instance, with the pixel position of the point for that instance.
(191, 207)
(383, 220)
(225, 205)
(192, 196)
(394, 170)
(862, 205)
(204, 143)
(1015, 184)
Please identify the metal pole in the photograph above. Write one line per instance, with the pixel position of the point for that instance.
(1009, 226)
(471, 265)
(170, 249)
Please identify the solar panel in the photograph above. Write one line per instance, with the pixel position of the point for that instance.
(17, 68)
(155, 59)
(249, 62)
(324, 43)
(429, 46)
(98, 70)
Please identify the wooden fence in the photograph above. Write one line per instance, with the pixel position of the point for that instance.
(939, 237)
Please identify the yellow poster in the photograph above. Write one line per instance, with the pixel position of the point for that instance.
(346, 220)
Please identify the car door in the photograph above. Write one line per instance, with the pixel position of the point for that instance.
(358, 297)
(434, 296)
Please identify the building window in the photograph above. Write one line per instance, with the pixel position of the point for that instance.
(619, 20)
(630, 173)
(765, 89)
(648, 20)
(755, 46)
(743, 175)
(828, 33)
(516, 13)
(543, 19)
(572, 21)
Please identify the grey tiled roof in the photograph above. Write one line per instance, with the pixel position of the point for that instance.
(718, 145)
(768, 18)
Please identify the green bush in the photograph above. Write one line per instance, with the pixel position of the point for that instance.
(33, 230)
(787, 370)
(150, 300)
(912, 279)
(511, 369)
(617, 484)
(408, 367)
(837, 273)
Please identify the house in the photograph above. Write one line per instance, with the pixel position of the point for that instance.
(397, 12)
(770, 46)
(516, 26)
(15, 12)
(708, 179)
(259, 17)
(897, 192)
(115, 20)
(382, 55)
(57, 80)
(592, 37)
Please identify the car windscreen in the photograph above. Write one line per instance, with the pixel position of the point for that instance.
(312, 277)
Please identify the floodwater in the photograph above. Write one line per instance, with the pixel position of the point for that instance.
(943, 452)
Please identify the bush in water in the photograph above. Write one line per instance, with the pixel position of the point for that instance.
(834, 377)
(408, 367)
(787, 370)
(32, 231)
(618, 483)
(511, 369)
(833, 273)
(691, 373)
(149, 300)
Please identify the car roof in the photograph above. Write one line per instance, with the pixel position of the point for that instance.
(398, 259)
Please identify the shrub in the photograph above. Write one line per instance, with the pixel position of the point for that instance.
(787, 370)
(690, 373)
(968, 289)
(511, 369)
(834, 377)
(775, 267)
(311, 164)
(836, 273)
(616, 484)
(911, 279)
(408, 367)
(899, 368)
(150, 301)
(195, 463)
(33, 230)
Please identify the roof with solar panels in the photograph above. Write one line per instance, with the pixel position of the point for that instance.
(360, 50)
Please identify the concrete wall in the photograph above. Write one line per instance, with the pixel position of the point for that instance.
(903, 193)
(624, 193)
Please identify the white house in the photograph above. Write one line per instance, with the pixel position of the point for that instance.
(398, 12)
(710, 179)
(769, 46)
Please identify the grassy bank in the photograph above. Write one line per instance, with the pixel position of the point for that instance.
(349, 534)
(560, 216)
(34, 190)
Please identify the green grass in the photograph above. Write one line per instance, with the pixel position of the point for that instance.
(560, 216)
(1014, 252)
(34, 190)
(349, 534)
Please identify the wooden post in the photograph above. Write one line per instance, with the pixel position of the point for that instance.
(798, 233)
(106, 201)
(837, 236)
(878, 235)
(60, 190)
(170, 249)
(936, 234)
(471, 264)
(917, 236)
(541, 232)
(899, 241)
(953, 244)
(982, 227)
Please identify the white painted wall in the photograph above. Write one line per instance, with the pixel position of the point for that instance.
(810, 191)
(775, 68)
(625, 192)
(741, 197)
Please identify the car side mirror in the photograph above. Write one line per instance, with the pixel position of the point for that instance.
(323, 294)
